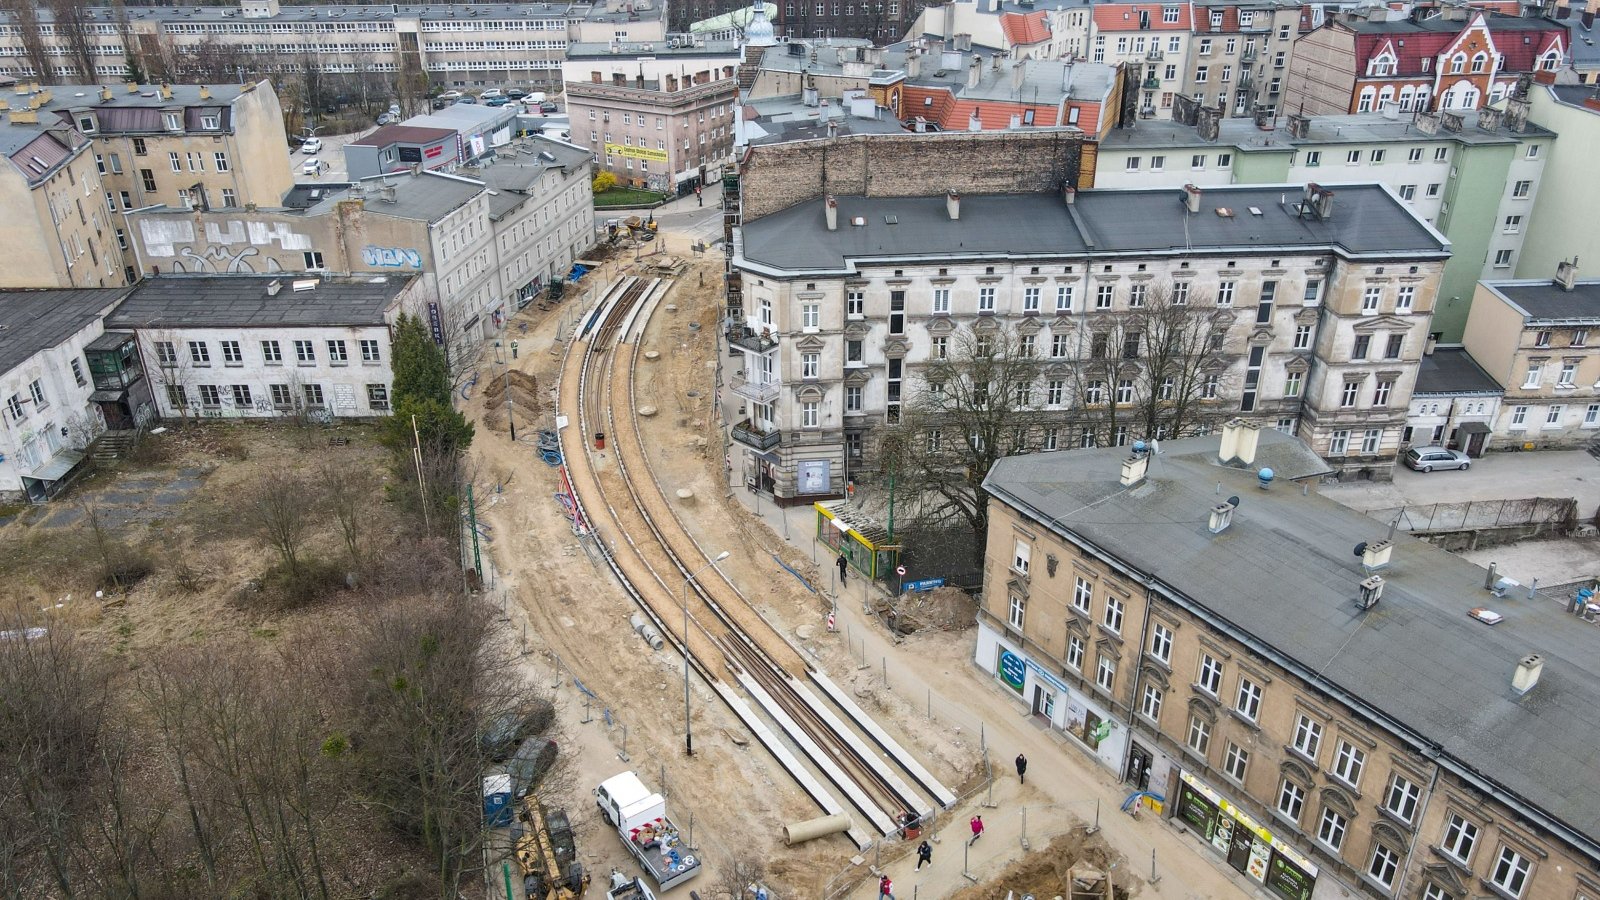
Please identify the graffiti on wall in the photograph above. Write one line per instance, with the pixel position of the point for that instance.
(223, 260)
(391, 257)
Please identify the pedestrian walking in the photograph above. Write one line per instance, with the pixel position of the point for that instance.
(698, 197)
(885, 888)
(1022, 768)
(924, 854)
(977, 830)
(842, 564)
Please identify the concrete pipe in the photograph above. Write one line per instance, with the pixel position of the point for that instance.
(646, 630)
(800, 832)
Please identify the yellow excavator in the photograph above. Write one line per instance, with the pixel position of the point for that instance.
(547, 854)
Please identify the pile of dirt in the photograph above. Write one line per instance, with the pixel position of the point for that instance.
(1047, 872)
(525, 396)
(941, 609)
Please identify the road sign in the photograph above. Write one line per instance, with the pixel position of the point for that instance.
(926, 584)
(900, 570)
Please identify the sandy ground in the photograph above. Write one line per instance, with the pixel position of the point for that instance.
(923, 688)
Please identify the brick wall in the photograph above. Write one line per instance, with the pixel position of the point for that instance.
(777, 176)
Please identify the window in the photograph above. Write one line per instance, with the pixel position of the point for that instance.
(810, 364)
(1378, 155)
(855, 303)
(270, 353)
(1522, 189)
(1511, 871)
(1348, 761)
(1370, 298)
(1105, 673)
(1103, 296)
(1534, 376)
(231, 354)
(1519, 417)
(1027, 348)
(1502, 259)
(1541, 339)
(1414, 155)
(1235, 761)
(941, 300)
(241, 396)
(1054, 391)
(1180, 293)
(305, 352)
(1402, 798)
(166, 353)
(1225, 293)
(1137, 294)
(1580, 337)
(1158, 163)
(1075, 652)
(986, 299)
(1308, 737)
(1591, 416)
(1331, 829)
(1553, 417)
(1248, 701)
(1210, 679)
(1133, 161)
(1064, 298)
(210, 396)
(852, 398)
(1339, 443)
(1352, 391)
(1460, 837)
(1161, 642)
(1291, 800)
(313, 260)
(1408, 192)
(77, 373)
(1020, 559)
(177, 398)
(369, 351)
(199, 353)
(139, 148)
(1513, 224)
(378, 396)
(221, 160)
(810, 315)
(1150, 702)
(1199, 739)
(939, 347)
(1313, 158)
(1114, 611)
(1569, 372)
(229, 198)
(810, 412)
(1380, 394)
(338, 353)
(280, 396)
(1018, 607)
(1533, 151)
(175, 161)
(1291, 384)
(1385, 863)
(1352, 157)
(1197, 161)
(148, 179)
(313, 394)
(1082, 595)
(1405, 297)
(36, 391)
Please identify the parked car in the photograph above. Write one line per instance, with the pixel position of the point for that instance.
(1426, 459)
(491, 93)
(497, 101)
(468, 99)
(451, 96)
(387, 118)
(312, 146)
(530, 764)
(516, 93)
(547, 107)
(312, 167)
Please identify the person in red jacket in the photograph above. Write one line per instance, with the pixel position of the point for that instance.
(885, 888)
(977, 830)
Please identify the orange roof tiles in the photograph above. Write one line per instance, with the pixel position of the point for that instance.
(1126, 17)
(1024, 29)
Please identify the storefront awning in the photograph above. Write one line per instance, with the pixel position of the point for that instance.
(107, 396)
(58, 466)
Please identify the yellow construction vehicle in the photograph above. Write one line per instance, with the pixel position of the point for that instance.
(546, 854)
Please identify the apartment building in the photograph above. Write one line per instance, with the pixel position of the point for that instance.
(1560, 225)
(663, 124)
(458, 45)
(1060, 31)
(1476, 176)
(1324, 310)
(124, 148)
(1240, 55)
(1450, 58)
(1533, 337)
(48, 383)
(243, 346)
(1327, 724)
(1154, 41)
(1455, 403)
(483, 240)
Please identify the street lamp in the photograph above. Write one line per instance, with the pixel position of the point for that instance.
(688, 735)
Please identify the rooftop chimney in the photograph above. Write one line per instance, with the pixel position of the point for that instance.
(975, 71)
(1376, 554)
(1069, 194)
(1527, 674)
(1133, 469)
(273, 287)
(1019, 74)
(166, 91)
(1567, 274)
(1239, 439)
(105, 93)
(1191, 198)
(1221, 514)
(205, 92)
(952, 204)
(975, 122)
(831, 207)
(1371, 591)
(133, 87)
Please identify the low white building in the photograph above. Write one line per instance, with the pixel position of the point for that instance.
(1454, 404)
(245, 346)
(46, 387)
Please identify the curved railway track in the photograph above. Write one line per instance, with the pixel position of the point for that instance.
(725, 637)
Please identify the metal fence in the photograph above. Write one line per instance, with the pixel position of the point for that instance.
(1477, 514)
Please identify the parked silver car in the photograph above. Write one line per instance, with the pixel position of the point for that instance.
(1426, 459)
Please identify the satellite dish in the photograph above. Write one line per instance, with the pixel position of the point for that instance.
(1233, 501)
(1361, 548)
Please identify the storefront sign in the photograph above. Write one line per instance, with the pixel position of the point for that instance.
(1250, 823)
(1040, 673)
(411, 154)
(435, 324)
(1012, 670)
(1248, 847)
(434, 152)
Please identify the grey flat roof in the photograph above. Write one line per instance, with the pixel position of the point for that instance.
(1573, 94)
(1283, 574)
(1452, 370)
(426, 197)
(653, 49)
(1366, 220)
(1042, 82)
(463, 117)
(1363, 128)
(31, 321)
(242, 301)
(787, 118)
(1437, 24)
(1547, 300)
(1581, 44)
(373, 13)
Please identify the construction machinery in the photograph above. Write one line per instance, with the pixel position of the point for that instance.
(547, 854)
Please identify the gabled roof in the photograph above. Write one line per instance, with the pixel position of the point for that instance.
(1520, 39)
(1025, 29)
(1125, 16)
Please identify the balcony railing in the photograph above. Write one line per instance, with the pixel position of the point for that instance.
(749, 339)
(1153, 56)
(752, 434)
(759, 389)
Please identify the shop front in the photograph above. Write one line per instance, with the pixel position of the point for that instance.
(1248, 847)
(1050, 699)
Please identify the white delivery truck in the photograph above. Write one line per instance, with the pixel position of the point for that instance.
(640, 817)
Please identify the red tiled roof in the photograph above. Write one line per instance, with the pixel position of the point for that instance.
(995, 115)
(1024, 29)
(1519, 40)
(1125, 17)
(915, 103)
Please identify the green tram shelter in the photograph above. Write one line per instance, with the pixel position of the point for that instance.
(866, 545)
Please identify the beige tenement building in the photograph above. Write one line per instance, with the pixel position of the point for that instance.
(1327, 724)
(131, 146)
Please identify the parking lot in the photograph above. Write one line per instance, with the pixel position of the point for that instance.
(1497, 476)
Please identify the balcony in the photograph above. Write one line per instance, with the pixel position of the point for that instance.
(747, 338)
(1152, 83)
(759, 389)
(1248, 57)
(752, 434)
(1153, 56)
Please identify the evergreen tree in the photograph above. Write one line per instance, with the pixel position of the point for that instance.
(422, 390)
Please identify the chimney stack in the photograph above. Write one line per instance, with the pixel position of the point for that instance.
(1567, 274)
(1375, 555)
(1527, 674)
(975, 122)
(166, 91)
(975, 72)
(1019, 74)
(1069, 194)
(1191, 198)
(952, 204)
(1133, 470)
(1221, 515)
(1239, 439)
(1371, 591)
(205, 92)
(831, 207)
(105, 93)
(133, 87)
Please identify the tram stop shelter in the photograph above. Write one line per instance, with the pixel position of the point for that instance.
(866, 545)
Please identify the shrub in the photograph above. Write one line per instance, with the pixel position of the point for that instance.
(603, 182)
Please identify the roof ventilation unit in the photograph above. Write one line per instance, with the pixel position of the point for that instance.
(1371, 591)
(1527, 674)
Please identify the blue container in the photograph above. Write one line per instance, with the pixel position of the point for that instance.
(497, 801)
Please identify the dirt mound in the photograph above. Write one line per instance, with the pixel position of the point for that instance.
(941, 609)
(524, 394)
(1045, 873)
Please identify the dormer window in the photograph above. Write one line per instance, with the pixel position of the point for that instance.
(210, 122)
(172, 121)
(86, 124)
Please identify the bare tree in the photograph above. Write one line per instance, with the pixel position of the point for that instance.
(26, 14)
(73, 26)
(279, 510)
(349, 490)
(173, 370)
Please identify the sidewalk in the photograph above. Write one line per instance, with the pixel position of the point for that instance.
(1063, 783)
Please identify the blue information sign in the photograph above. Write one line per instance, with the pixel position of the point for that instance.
(926, 584)
(1012, 670)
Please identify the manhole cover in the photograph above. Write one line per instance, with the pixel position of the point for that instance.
(694, 394)
(694, 326)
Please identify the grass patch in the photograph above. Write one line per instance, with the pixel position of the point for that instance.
(621, 196)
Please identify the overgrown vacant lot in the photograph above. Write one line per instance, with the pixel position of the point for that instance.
(252, 673)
